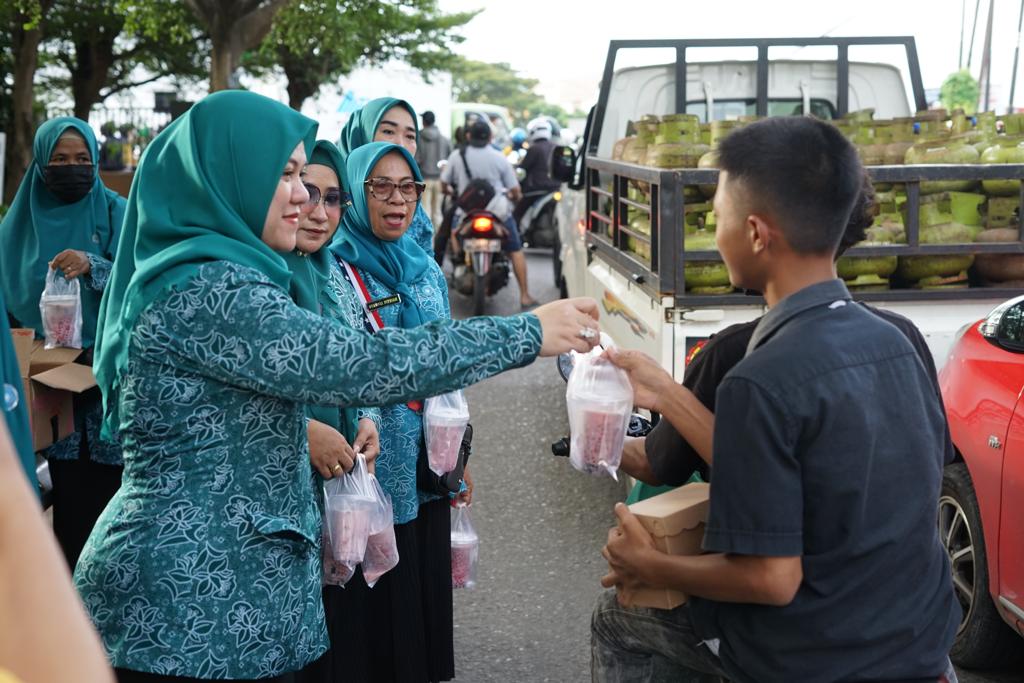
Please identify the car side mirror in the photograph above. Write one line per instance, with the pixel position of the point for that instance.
(1004, 326)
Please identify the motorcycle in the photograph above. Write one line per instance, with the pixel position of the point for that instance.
(539, 226)
(480, 267)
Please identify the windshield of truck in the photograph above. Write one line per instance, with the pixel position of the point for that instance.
(733, 109)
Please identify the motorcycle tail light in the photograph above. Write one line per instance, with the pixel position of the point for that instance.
(482, 224)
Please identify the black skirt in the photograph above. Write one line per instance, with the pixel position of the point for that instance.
(399, 631)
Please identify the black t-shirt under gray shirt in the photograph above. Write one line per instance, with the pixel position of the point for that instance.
(826, 468)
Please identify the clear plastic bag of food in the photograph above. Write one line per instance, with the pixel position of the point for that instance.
(381, 548)
(465, 549)
(351, 509)
(444, 421)
(334, 573)
(599, 398)
(60, 308)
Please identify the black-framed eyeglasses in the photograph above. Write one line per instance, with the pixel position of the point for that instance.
(332, 199)
(381, 189)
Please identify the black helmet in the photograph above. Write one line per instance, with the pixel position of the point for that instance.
(480, 133)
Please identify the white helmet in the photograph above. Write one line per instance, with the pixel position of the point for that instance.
(539, 129)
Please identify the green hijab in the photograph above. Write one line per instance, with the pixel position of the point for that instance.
(201, 193)
(39, 226)
(310, 273)
(398, 265)
(362, 125)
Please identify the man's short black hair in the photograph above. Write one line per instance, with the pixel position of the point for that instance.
(802, 173)
(480, 133)
(428, 118)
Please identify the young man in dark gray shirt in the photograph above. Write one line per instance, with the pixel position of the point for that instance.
(824, 560)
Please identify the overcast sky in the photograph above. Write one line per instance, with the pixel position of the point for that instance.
(563, 43)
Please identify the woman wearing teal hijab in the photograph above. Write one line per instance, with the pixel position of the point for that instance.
(408, 634)
(387, 119)
(64, 218)
(206, 563)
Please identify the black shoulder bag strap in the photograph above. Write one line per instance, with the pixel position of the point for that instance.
(465, 163)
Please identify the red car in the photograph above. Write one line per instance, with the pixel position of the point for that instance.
(981, 509)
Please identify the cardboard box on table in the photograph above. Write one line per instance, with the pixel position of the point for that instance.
(50, 377)
(675, 520)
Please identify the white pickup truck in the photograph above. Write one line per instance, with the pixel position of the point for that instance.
(646, 303)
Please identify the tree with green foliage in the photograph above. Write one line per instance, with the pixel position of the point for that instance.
(474, 81)
(960, 91)
(317, 41)
(232, 26)
(101, 56)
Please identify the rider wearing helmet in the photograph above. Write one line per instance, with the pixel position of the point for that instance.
(537, 165)
(518, 137)
(483, 161)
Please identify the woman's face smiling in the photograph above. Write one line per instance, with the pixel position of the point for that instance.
(282, 220)
(391, 217)
(317, 227)
(397, 126)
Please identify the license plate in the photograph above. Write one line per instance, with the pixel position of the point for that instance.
(482, 245)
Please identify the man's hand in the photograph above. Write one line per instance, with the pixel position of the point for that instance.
(72, 263)
(367, 442)
(628, 552)
(650, 382)
(329, 451)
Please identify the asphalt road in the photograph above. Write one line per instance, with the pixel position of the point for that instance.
(541, 526)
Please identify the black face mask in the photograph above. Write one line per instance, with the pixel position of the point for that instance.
(69, 183)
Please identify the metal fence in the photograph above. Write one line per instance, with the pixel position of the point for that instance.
(136, 117)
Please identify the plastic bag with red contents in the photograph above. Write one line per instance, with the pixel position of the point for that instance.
(444, 422)
(381, 548)
(600, 400)
(465, 549)
(60, 308)
(352, 510)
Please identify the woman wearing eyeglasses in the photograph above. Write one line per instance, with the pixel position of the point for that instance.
(401, 629)
(334, 436)
(206, 563)
(387, 119)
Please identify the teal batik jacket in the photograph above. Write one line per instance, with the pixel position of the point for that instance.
(206, 563)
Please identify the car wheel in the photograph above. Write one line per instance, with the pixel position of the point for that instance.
(983, 639)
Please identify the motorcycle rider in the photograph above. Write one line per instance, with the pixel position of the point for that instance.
(537, 165)
(433, 147)
(488, 163)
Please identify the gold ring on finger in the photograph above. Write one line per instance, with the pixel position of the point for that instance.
(336, 469)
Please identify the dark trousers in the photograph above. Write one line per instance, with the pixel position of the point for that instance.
(81, 490)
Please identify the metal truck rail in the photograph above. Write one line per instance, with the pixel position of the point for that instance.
(663, 275)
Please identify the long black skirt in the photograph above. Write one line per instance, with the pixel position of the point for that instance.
(399, 631)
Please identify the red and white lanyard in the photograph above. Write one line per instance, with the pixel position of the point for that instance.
(373, 318)
(370, 315)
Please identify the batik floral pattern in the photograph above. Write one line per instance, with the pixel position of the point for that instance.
(206, 563)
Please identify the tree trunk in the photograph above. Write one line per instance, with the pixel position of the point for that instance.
(221, 66)
(234, 27)
(25, 46)
(93, 59)
(301, 86)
